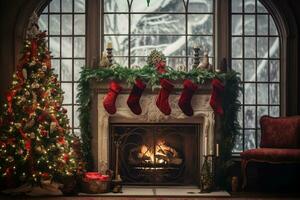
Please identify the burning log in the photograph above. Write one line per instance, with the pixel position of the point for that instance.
(162, 155)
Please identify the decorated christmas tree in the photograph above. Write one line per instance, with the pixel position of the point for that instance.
(35, 139)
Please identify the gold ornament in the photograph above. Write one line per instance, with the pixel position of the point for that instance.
(32, 135)
(24, 72)
(35, 85)
(52, 127)
(10, 159)
(27, 93)
(10, 129)
(38, 149)
(29, 124)
(41, 74)
(44, 67)
(32, 63)
(18, 125)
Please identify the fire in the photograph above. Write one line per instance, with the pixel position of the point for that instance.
(160, 154)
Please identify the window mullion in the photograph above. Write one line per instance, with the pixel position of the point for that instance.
(222, 31)
(94, 31)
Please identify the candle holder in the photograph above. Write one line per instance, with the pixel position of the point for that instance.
(109, 55)
(206, 177)
(117, 182)
(196, 57)
(207, 173)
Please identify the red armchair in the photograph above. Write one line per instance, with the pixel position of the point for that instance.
(280, 143)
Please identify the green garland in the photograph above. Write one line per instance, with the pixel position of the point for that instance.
(149, 74)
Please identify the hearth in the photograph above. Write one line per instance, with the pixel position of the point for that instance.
(156, 154)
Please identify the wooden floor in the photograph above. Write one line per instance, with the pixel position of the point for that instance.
(239, 196)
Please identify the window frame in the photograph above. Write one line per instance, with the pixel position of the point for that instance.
(254, 106)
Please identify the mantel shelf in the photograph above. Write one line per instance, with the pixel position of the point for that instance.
(101, 87)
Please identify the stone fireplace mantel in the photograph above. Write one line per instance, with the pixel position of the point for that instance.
(203, 115)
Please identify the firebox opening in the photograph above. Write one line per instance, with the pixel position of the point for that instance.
(156, 154)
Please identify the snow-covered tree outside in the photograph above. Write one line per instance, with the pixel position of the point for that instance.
(171, 26)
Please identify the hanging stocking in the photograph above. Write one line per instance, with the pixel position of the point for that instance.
(162, 101)
(184, 103)
(133, 100)
(111, 97)
(216, 96)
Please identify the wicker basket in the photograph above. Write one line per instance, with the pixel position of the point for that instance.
(95, 186)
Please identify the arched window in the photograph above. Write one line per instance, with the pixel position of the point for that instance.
(256, 55)
(65, 21)
(174, 27)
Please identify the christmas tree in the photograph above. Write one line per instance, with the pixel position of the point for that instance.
(35, 139)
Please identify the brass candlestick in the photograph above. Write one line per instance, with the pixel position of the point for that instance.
(196, 56)
(109, 55)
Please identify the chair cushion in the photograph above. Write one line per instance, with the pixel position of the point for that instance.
(281, 132)
(272, 155)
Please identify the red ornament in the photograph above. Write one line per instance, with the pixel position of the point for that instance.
(48, 61)
(9, 97)
(160, 67)
(61, 140)
(27, 140)
(53, 91)
(20, 151)
(28, 145)
(42, 116)
(53, 80)
(44, 133)
(42, 35)
(64, 110)
(66, 157)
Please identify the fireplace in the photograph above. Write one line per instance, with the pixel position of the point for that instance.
(153, 124)
(156, 154)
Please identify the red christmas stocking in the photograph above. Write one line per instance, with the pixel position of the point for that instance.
(184, 103)
(133, 100)
(162, 101)
(216, 96)
(111, 97)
